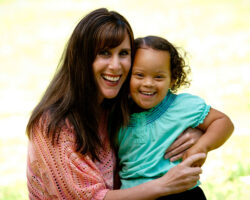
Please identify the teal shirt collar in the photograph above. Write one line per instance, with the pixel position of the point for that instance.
(146, 117)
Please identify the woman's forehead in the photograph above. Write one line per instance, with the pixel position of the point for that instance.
(112, 39)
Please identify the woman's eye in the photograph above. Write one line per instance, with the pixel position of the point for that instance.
(124, 53)
(103, 53)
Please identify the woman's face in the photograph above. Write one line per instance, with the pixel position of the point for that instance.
(111, 67)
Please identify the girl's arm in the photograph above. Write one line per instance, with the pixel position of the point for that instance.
(217, 129)
(177, 179)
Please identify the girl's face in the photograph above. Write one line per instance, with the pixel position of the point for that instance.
(111, 67)
(151, 77)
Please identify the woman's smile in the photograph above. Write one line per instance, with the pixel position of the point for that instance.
(111, 78)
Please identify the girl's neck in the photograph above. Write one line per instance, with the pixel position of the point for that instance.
(137, 109)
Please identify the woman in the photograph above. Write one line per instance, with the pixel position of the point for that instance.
(71, 155)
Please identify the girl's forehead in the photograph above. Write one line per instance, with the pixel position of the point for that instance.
(151, 60)
(149, 54)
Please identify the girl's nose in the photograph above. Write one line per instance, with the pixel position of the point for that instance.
(148, 82)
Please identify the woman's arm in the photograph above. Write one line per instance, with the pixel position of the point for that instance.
(59, 172)
(217, 129)
(177, 179)
(186, 140)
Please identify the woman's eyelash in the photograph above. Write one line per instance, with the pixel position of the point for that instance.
(124, 53)
(103, 52)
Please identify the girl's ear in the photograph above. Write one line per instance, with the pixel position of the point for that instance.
(172, 83)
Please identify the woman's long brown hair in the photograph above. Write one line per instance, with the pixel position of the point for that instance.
(73, 92)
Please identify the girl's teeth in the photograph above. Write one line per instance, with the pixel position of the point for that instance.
(147, 93)
(111, 78)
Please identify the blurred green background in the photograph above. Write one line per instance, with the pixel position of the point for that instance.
(215, 33)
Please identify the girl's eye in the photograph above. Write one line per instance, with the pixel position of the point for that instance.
(159, 77)
(139, 75)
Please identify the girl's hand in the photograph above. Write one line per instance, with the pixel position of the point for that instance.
(186, 140)
(194, 150)
(181, 177)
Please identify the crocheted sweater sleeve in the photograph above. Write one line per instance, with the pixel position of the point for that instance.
(59, 172)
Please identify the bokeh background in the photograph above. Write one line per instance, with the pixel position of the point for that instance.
(215, 34)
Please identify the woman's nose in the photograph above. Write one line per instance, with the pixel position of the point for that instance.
(114, 63)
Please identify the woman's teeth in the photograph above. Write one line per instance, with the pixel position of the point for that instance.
(111, 78)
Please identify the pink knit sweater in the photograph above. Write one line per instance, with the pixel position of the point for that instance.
(59, 172)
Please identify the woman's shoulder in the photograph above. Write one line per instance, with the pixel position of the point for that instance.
(63, 129)
(46, 117)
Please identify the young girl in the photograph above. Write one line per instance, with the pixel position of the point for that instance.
(160, 116)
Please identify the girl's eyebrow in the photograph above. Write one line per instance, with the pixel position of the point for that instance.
(161, 72)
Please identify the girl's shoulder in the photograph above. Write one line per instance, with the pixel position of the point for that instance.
(188, 104)
(188, 99)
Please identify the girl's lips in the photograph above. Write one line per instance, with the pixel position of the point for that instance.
(147, 93)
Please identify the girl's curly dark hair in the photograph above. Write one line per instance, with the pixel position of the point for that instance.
(179, 69)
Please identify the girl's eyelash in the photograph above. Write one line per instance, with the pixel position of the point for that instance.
(139, 74)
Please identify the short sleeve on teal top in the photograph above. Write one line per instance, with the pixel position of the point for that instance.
(142, 144)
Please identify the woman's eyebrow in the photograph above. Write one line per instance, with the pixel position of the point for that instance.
(127, 49)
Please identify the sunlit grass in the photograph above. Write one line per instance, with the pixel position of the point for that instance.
(16, 191)
(226, 173)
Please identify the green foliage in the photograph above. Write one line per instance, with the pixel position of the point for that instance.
(228, 190)
(240, 171)
(230, 178)
(17, 191)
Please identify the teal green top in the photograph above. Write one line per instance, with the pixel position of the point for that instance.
(143, 142)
